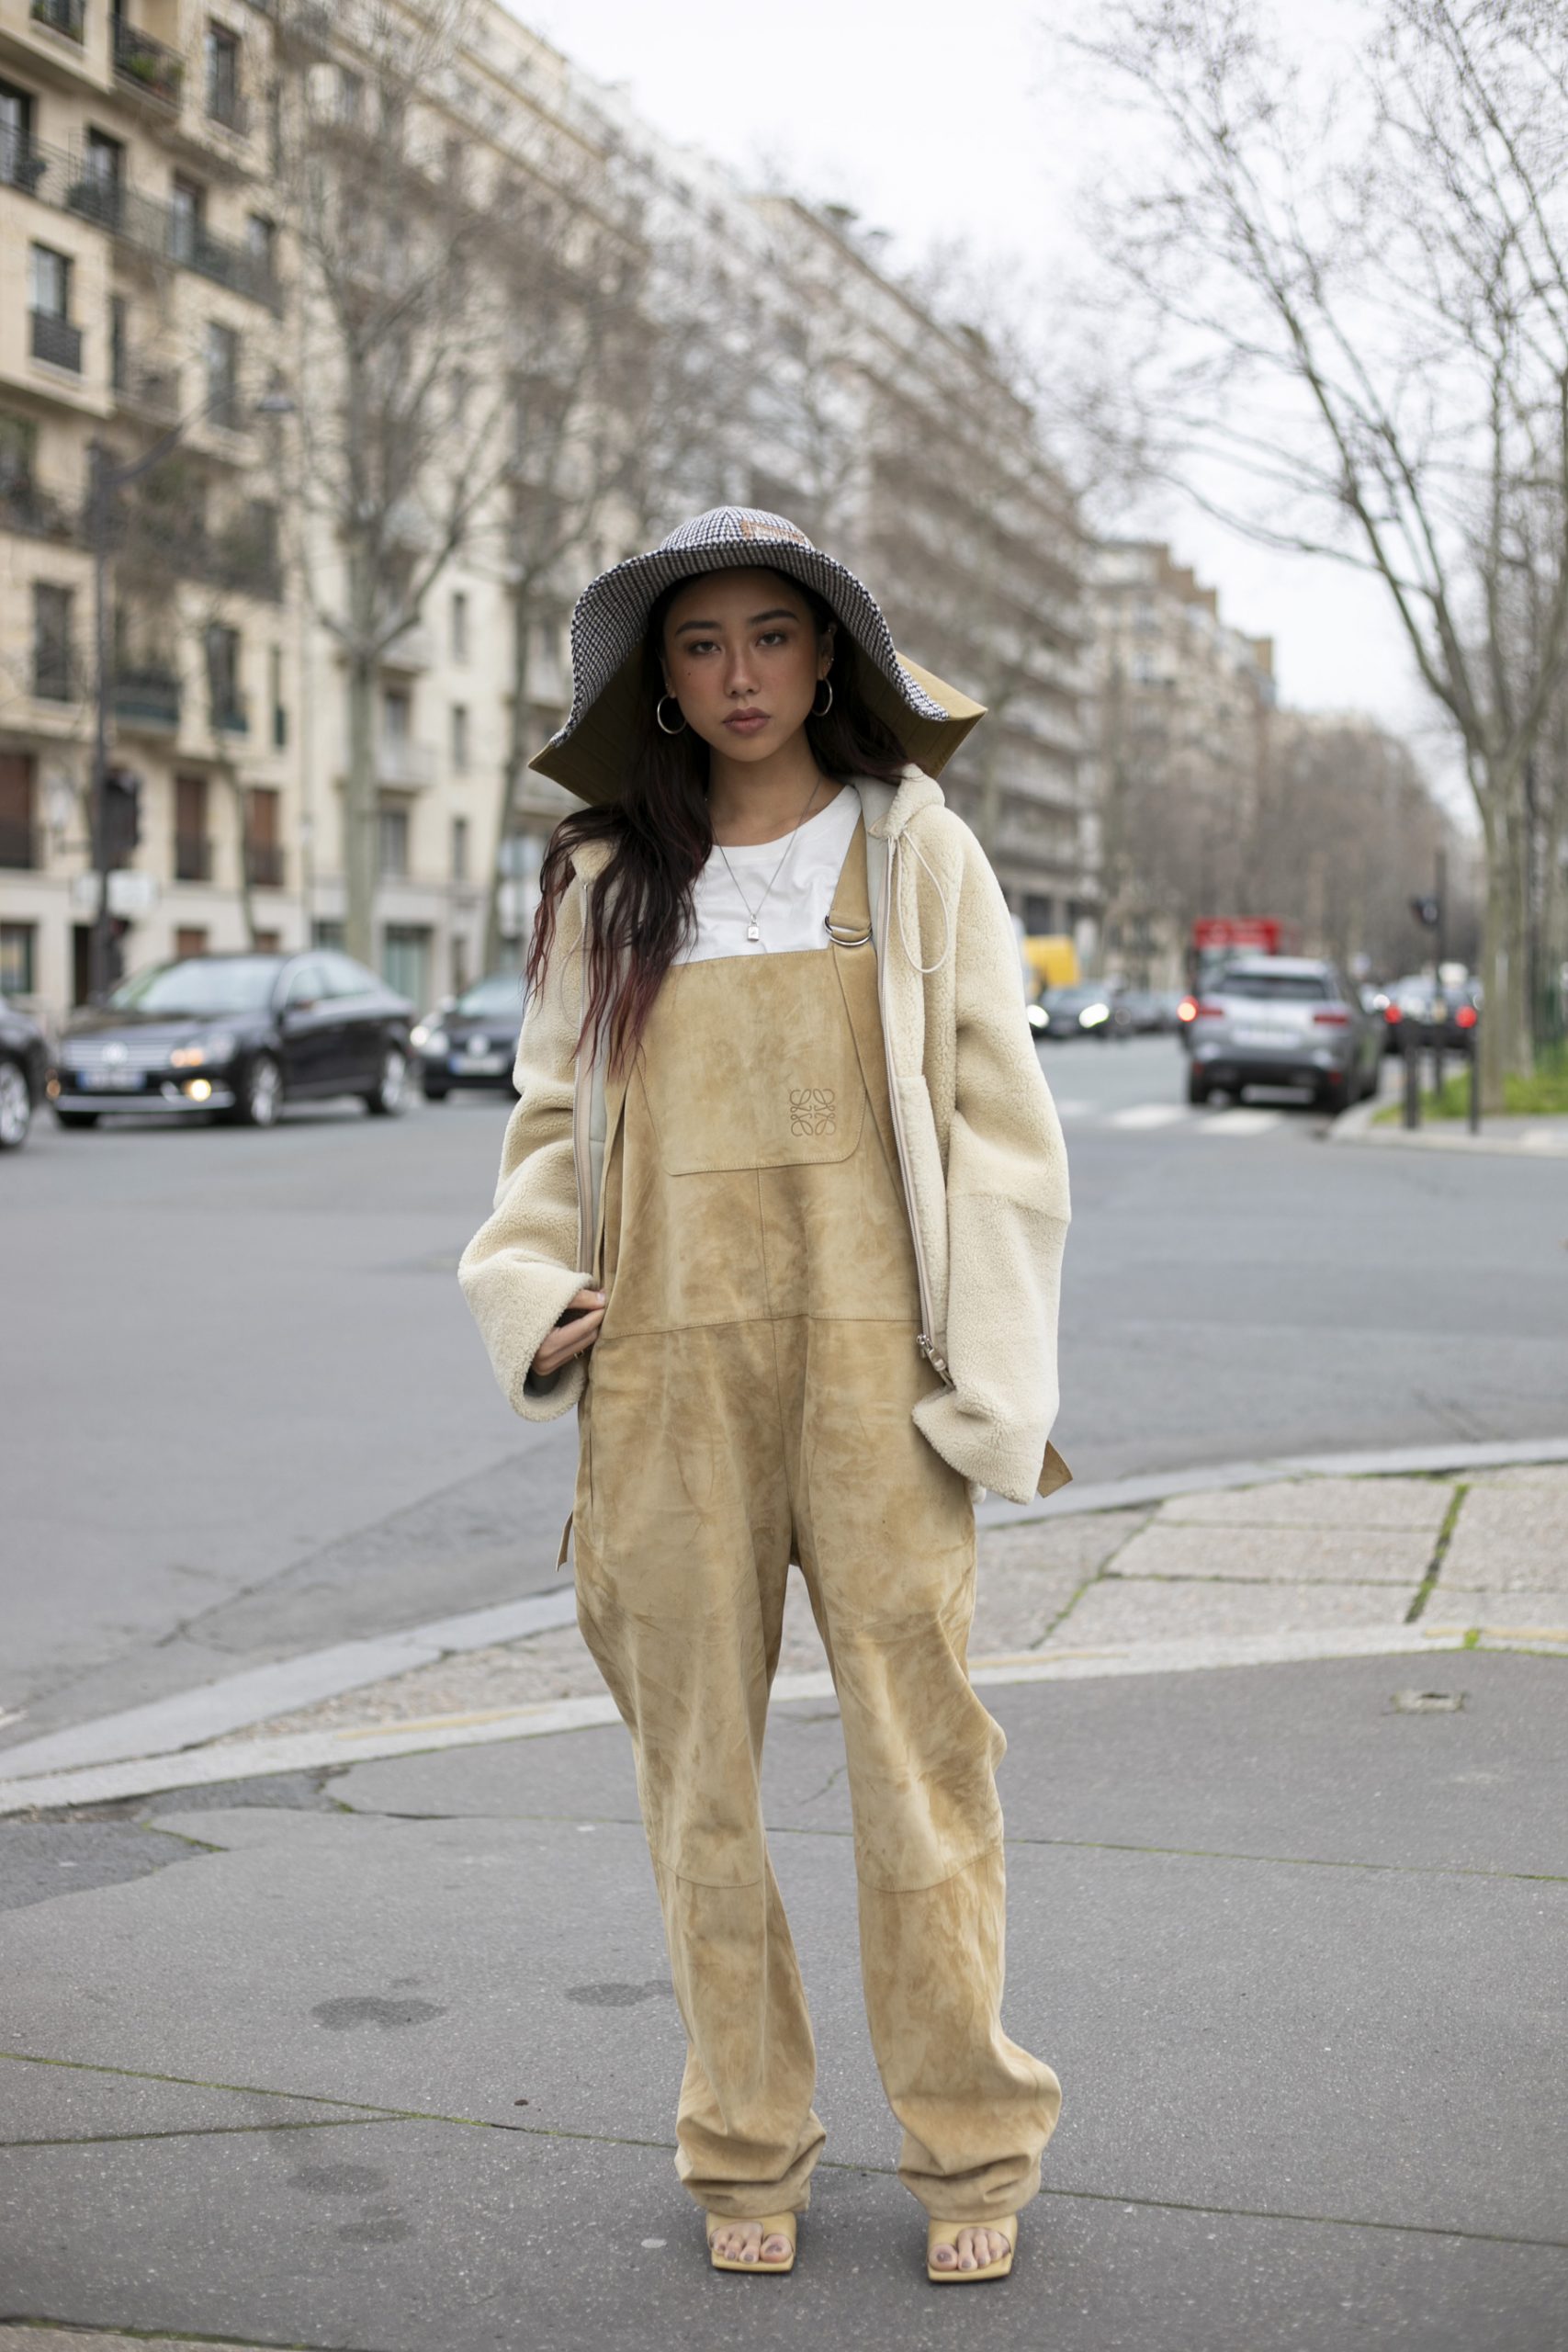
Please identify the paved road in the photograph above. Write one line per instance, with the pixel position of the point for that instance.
(245, 1413)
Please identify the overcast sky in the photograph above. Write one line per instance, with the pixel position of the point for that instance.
(932, 119)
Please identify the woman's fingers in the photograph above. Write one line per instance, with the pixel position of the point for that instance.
(574, 1336)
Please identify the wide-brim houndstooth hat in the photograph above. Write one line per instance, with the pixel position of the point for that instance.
(592, 753)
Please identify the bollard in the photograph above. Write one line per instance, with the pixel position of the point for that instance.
(1412, 1076)
(1474, 1084)
(1437, 1057)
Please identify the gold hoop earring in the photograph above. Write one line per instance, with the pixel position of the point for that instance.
(827, 705)
(658, 714)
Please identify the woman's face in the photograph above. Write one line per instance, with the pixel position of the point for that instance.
(743, 659)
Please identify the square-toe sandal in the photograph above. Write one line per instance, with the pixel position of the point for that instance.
(946, 2234)
(772, 2225)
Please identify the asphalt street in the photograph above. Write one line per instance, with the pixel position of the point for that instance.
(245, 1412)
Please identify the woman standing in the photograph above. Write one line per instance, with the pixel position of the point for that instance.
(781, 1210)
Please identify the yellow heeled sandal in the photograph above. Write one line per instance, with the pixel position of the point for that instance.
(946, 2234)
(772, 2225)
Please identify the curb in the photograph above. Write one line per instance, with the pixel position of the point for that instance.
(334, 1750)
(1543, 1139)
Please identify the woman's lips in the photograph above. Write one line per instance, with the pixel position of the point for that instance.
(747, 722)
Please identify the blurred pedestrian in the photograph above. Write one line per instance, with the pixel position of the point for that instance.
(781, 1210)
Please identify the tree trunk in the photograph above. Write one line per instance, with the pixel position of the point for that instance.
(511, 777)
(359, 812)
(1505, 1041)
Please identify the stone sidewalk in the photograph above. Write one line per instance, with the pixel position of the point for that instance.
(1484, 1554)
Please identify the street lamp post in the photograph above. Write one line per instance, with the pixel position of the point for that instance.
(105, 482)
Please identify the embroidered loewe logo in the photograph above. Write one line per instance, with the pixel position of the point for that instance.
(811, 1111)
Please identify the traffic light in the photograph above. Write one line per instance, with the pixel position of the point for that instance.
(123, 816)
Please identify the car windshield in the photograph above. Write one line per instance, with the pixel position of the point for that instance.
(492, 998)
(199, 986)
(1065, 999)
(1288, 988)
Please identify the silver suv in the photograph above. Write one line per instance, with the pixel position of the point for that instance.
(1283, 1021)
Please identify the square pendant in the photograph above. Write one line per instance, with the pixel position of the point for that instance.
(752, 932)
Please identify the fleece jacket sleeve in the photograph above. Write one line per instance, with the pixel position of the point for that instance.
(1007, 1216)
(518, 1273)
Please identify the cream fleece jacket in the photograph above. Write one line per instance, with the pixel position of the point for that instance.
(984, 1166)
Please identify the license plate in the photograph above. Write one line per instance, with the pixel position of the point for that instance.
(110, 1081)
(478, 1064)
(1261, 1036)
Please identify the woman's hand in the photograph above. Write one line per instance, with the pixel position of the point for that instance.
(572, 1336)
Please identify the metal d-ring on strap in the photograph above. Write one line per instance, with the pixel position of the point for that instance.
(845, 939)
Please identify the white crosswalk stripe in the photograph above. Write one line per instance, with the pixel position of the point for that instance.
(1134, 1118)
(1240, 1122)
(1151, 1114)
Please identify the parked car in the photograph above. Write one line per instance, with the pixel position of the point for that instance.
(1283, 1021)
(238, 1035)
(1151, 1012)
(472, 1040)
(1440, 1016)
(23, 1073)
(1089, 1009)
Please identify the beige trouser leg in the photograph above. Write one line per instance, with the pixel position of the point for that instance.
(742, 1433)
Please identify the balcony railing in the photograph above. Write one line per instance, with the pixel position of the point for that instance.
(232, 716)
(147, 699)
(71, 183)
(410, 766)
(67, 17)
(57, 342)
(147, 67)
(193, 858)
(55, 673)
(150, 392)
(19, 845)
(226, 106)
(27, 507)
(263, 863)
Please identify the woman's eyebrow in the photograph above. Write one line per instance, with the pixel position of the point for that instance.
(779, 613)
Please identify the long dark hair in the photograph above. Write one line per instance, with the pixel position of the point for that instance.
(639, 907)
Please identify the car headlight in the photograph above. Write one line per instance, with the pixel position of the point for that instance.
(1038, 1017)
(218, 1045)
(1092, 1015)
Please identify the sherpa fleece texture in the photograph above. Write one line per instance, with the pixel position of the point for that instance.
(985, 1169)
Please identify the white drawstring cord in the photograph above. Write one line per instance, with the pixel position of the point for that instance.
(925, 970)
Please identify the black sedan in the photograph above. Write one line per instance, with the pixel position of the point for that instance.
(237, 1035)
(473, 1040)
(24, 1071)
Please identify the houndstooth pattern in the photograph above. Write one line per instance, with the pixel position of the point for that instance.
(612, 612)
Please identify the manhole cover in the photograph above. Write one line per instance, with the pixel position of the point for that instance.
(1427, 1703)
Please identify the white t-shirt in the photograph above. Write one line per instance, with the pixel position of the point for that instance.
(791, 915)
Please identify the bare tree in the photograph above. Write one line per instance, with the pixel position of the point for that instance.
(1363, 293)
(399, 407)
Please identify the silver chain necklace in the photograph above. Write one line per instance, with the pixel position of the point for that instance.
(753, 929)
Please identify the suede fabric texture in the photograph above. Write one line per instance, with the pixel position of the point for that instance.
(982, 1163)
(750, 1399)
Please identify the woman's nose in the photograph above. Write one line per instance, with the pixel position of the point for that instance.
(738, 676)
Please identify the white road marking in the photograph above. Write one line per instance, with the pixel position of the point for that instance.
(1240, 1121)
(1151, 1114)
(1072, 1109)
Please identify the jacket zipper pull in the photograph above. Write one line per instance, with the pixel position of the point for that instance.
(938, 1363)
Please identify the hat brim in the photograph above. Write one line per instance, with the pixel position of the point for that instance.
(591, 761)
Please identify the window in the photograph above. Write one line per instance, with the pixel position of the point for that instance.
(226, 701)
(268, 942)
(459, 739)
(193, 850)
(103, 177)
(264, 845)
(119, 348)
(188, 218)
(275, 695)
(395, 715)
(54, 660)
(405, 961)
(16, 136)
(19, 959)
(307, 985)
(350, 95)
(191, 939)
(18, 839)
(392, 841)
(221, 59)
(459, 848)
(326, 931)
(18, 447)
(50, 283)
(223, 375)
(460, 626)
(261, 243)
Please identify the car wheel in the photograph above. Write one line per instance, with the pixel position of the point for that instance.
(75, 1118)
(16, 1106)
(260, 1094)
(434, 1090)
(1197, 1088)
(1333, 1092)
(389, 1094)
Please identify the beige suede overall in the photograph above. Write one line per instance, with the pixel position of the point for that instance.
(747, 1402)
